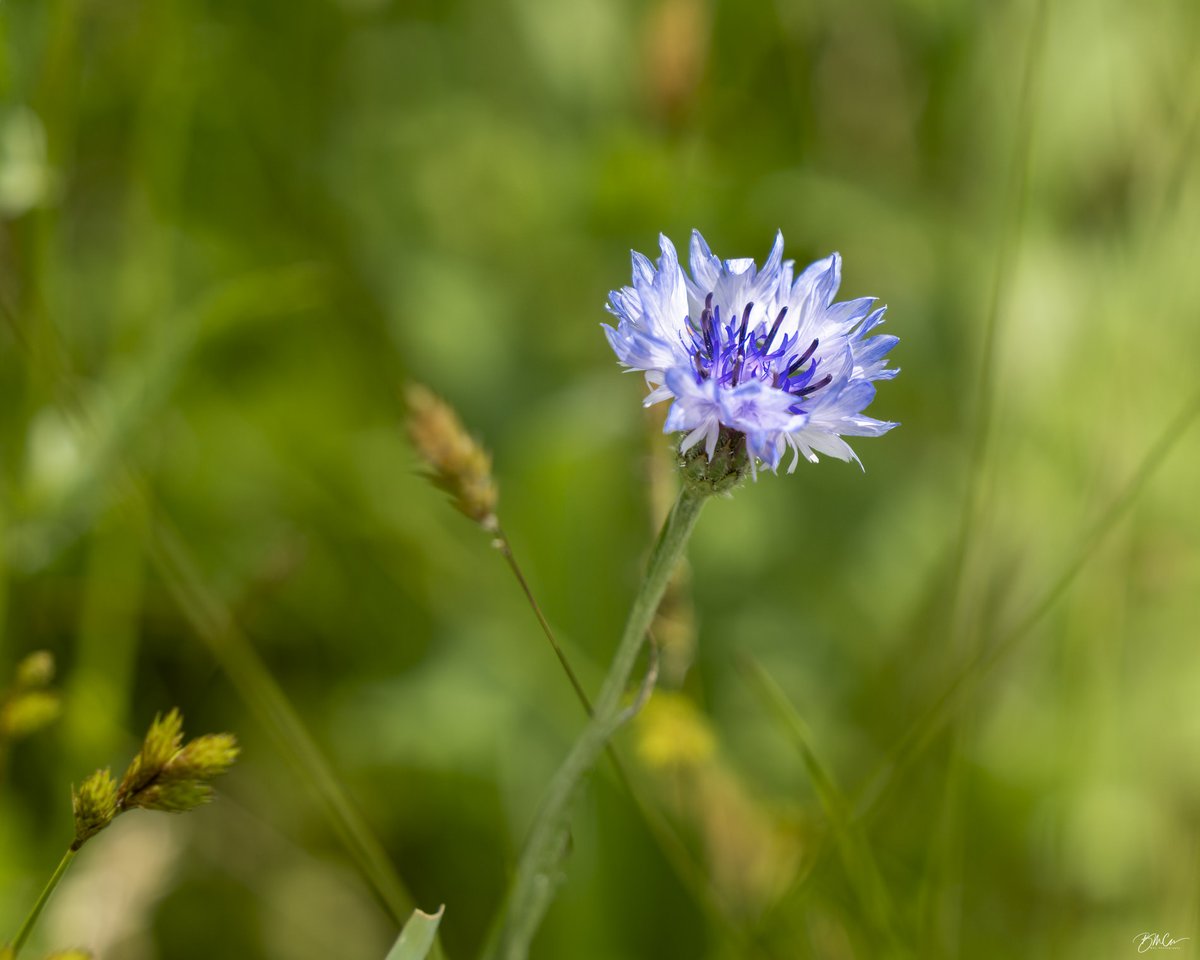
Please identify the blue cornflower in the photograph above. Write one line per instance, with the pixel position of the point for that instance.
(762, 353)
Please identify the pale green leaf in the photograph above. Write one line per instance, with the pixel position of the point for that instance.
(416, 939)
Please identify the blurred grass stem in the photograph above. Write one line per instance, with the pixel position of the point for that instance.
(921, 732)
(32, 919)
(536, 877)
(258, 688)
(970, 562)
(850, 839)
(503, 544)
(1002, 281)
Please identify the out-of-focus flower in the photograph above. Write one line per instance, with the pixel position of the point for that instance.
(675, 51)
(29, 704)
(673, 733)
(753, 851)
(762, 353)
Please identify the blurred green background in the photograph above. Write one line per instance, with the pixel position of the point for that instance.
(231, 231)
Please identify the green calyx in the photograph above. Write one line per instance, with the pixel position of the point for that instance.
(724, 471)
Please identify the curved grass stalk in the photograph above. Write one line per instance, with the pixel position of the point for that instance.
(265, 698)
(14, 948)
(849, 837)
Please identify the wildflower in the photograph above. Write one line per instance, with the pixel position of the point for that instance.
(755, 353)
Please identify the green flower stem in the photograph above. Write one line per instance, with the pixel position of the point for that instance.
(32, 919)
(536, 877)
(670, 844)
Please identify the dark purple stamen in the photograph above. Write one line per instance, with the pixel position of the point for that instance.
(815, 386)
(741, 342)
(774, 330)
(726, 350)
(800, 360)
(717, 323)
(745, 321)
(706, 325)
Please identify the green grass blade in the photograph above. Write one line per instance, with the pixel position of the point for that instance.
(266, 699)
(417, 938)
(922, 732)
(854, 851)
